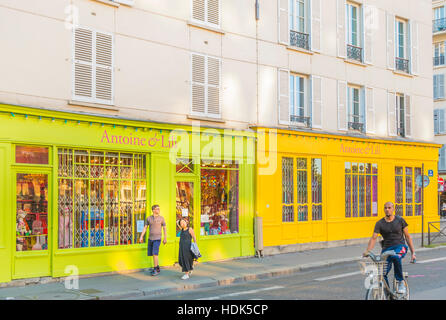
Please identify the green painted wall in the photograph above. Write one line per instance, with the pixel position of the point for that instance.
(6, 225)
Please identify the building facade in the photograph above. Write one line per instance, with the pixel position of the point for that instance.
(309, 116)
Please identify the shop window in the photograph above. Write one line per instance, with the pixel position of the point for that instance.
(185, 166)
(308, 196)
(361, 189)
(31, 155)
(219, 197)
(32, 212)
(407, 192)
(102, 198)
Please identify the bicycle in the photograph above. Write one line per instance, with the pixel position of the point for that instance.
(377, 286)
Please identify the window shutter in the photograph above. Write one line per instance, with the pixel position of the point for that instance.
(104, 67)
(435, 86)
(284, 96)
(342, 105)
(442, 160)
(316, 102)
(391, 113)
(213, 86)
(408, 116)
(436, 121)
(315, 35)
(198, 10)
(213, 12)
(414, 47)
(284, 32)
(198, 84)
(370, 110)
(341, 29)
(83, 64)
(440, 87)
(390, 18)
(441, 128)
(368, 23)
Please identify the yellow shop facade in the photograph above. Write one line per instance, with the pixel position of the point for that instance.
(75, 190)
(316, 189)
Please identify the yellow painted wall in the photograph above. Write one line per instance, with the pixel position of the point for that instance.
(335, 151)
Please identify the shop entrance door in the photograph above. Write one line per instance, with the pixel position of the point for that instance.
(185, 204)
(32, 236)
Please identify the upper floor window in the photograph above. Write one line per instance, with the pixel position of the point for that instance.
(92, 66)
(299, 35)
(205, 87)
(439, 23)
(353, 25)
(400, 109)
(439, 53)
(355, 108)
(401, 47)
(439, 127)
(206, 11)
(298, 99)
(438, 86)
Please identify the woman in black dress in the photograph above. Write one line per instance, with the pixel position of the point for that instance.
(185, 258)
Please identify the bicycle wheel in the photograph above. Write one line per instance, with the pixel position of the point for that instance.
(407, 295)
(374, 294)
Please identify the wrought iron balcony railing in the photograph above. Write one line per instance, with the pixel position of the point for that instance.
(356, 126)
(354, 53)
(439, 25)
(299, 119)
(438, 60)
(402, 64)
(401, 132)
(299, 39)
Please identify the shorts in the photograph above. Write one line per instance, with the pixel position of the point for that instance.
(153, 247)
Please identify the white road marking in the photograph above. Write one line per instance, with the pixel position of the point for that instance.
(338, 276)
(241, 293)
(431, 260)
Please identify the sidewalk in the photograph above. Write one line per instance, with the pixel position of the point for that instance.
(207, 274)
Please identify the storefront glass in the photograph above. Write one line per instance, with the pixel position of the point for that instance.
(219, 198)
(185, 204)
(102, 198)
(361, 189)
(32, 212)
(31, 155)
(407, 192)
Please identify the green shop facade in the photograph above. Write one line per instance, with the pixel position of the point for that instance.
(75, 190)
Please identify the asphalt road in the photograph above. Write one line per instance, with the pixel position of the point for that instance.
(427, 280)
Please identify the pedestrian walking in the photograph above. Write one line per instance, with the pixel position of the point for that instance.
(155, 223)
(185, 257)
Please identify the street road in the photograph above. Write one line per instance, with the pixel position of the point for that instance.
(427, 280)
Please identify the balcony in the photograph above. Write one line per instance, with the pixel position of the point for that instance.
(354, 53)
(300, 40)
(300, 119)
(402, 64)
(439, 25)
(356, 126)
(439, 61)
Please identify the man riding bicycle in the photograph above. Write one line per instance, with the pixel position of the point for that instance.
(393, 229)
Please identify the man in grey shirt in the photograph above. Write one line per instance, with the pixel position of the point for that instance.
(155, 222)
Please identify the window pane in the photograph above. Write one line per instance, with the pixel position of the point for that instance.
(287, 181)
(348, 200)
(31, 155)
(316, 188)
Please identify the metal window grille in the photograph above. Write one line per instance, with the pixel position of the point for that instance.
(407, 197)
(316, 188)
(439, 25)
(287, 190)
(302, 189)
(101, 197)
(300, 39)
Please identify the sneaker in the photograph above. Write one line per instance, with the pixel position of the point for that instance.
(185, 277)
(155, 272)
(401, 287)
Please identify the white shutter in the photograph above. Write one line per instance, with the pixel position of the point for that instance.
(442, 160)
(390, 27)
(436, 121)
(198, 10)
(370, 110)
(104, 67)
(316, 102)
(213, 87)
(368, 23)
(440, 86)
(283, 26)
(315, 35)
(407, 116)
(341, 29)
(213, 12)
(391, 113)
(414, 47)
(441, 128)
(198, 87)
(342, 105)
(284, 96)
(83, 64)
